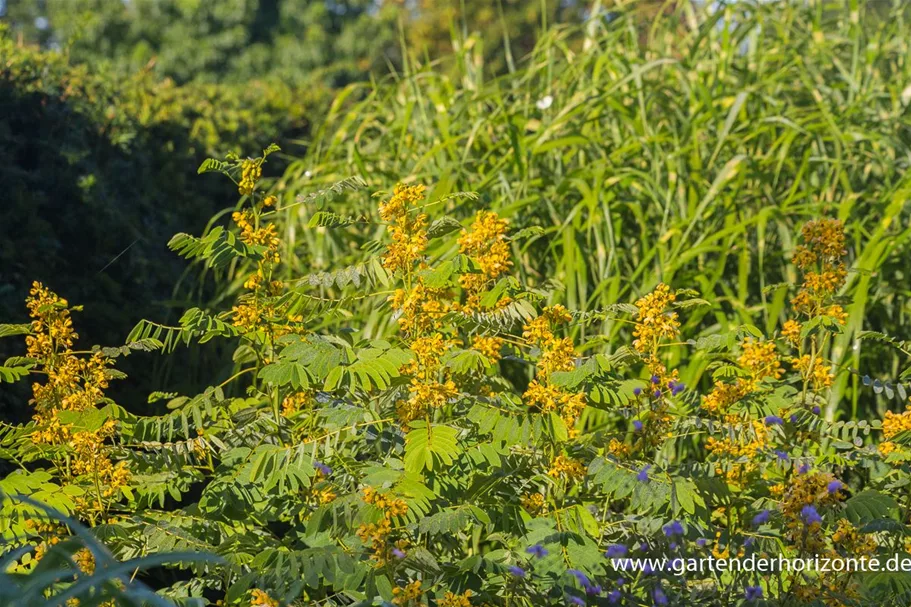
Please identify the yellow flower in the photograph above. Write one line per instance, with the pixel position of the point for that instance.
(566, 467)
(490, 347)
(451, 599)
(260, 598)
(654, 322)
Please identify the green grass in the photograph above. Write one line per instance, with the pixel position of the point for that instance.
(687, 149)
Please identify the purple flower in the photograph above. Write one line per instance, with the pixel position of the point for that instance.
(673, 545)
(399, 554)
(749, 542)
(809, 515)
(656, 380)
(322, 468)
(816, 410)
(642, 476)
(537, 551)
(835, 486)
(761, 518)
(793, 418)
(753, 593)
(701, 542)
(677, 388)
(647, 569)
(643, 547)
(517, 571)
(614, 596)
(576, 600)
(657, 394)
(637, 390)
(781, 455)
(637, 426)
(580, 577)
(659, 596)
(593, 589)
(621, 581)
(803, 468)
(615, 551)
(773, 420)
(673, 528)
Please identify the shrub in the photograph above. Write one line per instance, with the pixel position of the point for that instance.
(478, 455)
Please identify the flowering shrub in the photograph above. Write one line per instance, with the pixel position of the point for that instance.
(483, 455)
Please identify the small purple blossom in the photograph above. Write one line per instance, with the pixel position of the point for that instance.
(593, 589)
(644, 547)
(673, 546)
(773, 420)
(614, 596)
(809, 515)
(576, 600)
(580, 577)
(677, 388)
(793, 418)
(835, 486)
(673, 528)
(399, 554)
(752, 593)
(761, 518)
(538, 551)
(747, 543)
(659, 596)
(637, 426)
(615, 551)
(642, 476)
(322, 468)
(817, 410)
(621, 581)
(803, 468)
(637, 390)
(701, 542)
(781, 455)
(656, 380)
(657, 394)
(648, 569)
(517, 571)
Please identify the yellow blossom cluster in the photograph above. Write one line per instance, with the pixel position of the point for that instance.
(260, 598)
(808, 489)
(377, 535)
(73, 384)
(451, 599)
(430, 387)
(566, 467)
(408, 594)
(654, 321)
(557, 354)
(251, 170)
(296, 401)
(821, 260)
(743, 443)
(485, 242)
(816, 370)
(420, 308)
(533, 503)
(490, 347)
(408, 230)
(894, 424)
(760, 360)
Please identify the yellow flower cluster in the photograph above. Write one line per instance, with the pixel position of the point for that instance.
(820, 259)
(409, 232)
(809, 489)
(410, 593)
(430, 387)
(295, 402)
(73, 384)
(485, 242)
(760, 360)
(251, 170)
(377, 535)
(748, 441)
(817, 370)
(894, 424)
(451, 599)
(490, 347)
(654, 322)
(533, 503)
(260, 598)
(557, 354)
(566, 467)
(419, 308)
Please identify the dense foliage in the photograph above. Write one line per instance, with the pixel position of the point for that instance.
(98, 172)
(640, 298)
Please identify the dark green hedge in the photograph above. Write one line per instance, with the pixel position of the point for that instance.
(96, 175)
